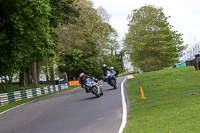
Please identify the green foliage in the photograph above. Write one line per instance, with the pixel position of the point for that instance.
(113, 61)
(11, 88)
(63, 12)
(25, 33)
(75, 63)
(89, 33)
(172, 101)
(31, 31)
(150, 41)
(89, 42)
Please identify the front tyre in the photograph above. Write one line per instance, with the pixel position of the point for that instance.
(114, 84)
(101, 92)
(95, 91)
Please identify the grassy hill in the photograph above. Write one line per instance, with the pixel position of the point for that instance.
(172, 103)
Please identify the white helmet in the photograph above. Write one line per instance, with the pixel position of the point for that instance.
(104, 65)
(112, 68)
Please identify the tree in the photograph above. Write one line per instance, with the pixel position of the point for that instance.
(27, 35)
(75, 63)
(112, 54)
(150, 41)
(63, 13)
(89, 33)
(88, 42)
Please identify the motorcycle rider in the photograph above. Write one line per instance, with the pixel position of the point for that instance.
(110, 77)
(82, 80)
(104, 71)
(113, 71)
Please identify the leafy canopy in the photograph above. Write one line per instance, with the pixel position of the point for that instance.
(89, 42)
(150, 41)
(24, 32)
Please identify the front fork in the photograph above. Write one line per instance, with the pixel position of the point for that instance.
(99, 88)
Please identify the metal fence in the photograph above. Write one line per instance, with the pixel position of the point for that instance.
(189, 54)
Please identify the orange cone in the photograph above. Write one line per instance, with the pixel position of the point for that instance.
(142, 93)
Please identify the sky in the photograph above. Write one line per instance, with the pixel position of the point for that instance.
(185, 15)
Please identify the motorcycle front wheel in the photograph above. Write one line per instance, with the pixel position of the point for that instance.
(95, 91)
(114, 84)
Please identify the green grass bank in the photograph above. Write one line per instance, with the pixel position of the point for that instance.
(172, 103)
(127, 73)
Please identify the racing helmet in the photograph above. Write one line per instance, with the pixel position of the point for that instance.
(104, 65)
(112, 68)
(82, 75)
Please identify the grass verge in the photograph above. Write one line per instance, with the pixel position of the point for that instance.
(14, 104)
(12, 88)
(172, 102)
(126, 73)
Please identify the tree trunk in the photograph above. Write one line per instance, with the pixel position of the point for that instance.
(46, 73)
(28, 75)
(22, 78)
(38, 73)
(33, 72)
(51, 71)
(10, 78)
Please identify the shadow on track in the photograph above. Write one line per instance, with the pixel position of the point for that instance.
(109, 89)
(90, 98)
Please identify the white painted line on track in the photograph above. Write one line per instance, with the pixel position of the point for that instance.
(123, 124)
(33, 101)
(12, 108)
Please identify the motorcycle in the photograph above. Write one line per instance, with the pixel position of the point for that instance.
(110, 78)
(94, 87)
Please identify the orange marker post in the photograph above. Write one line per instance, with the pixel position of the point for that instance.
(142, 93)
(73, 83)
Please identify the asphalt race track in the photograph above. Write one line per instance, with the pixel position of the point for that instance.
(69, 112)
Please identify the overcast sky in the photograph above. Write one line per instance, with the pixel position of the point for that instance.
(185, 15)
